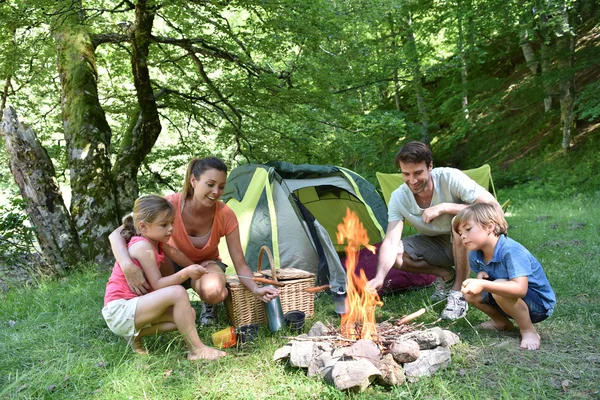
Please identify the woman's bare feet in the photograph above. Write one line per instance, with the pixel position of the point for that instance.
(206, 353)
(497, 326)
(530, 340)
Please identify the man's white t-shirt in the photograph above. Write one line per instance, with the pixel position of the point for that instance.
(450, 185)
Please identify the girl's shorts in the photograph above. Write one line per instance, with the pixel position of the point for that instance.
(120, 316)
(537, 310)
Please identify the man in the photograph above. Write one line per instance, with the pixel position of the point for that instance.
(429, 200)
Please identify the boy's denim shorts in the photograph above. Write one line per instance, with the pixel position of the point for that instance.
(537, 311)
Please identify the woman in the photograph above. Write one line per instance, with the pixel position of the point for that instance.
(200, 222)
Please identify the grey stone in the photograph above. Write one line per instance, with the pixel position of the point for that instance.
(404, 351)
(354, 375)
(282, 352)
(322, 364)
(303, 352)
(427, 339)
(392, 373)
(450, 338)
(318, 329)
(364, 348)
(428, 363)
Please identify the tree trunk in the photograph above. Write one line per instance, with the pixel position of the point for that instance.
(34, 174)
(87, 133)
(145, 127)
(462, 52)
(565, 49)
(525, 35)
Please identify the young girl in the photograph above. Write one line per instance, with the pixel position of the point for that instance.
(167, 306)
(510, 281)
(201, 220)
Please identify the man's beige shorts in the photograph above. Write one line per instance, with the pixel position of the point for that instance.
(120, 316)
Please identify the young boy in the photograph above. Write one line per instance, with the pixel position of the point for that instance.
(510, 281)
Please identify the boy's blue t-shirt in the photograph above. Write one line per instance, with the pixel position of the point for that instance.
(512, 260)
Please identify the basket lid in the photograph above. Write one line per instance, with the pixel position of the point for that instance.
(288, 273)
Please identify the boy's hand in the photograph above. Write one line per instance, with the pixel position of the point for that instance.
(196, 271)
(472, 286)
(482, 275)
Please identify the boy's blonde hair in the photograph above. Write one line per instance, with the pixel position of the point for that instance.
(483, 214)
(146, 208)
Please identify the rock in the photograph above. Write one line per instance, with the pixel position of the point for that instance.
(354, 375)
(302, 352)
(392, 374)
(364, 348)
(427, 339)
(404, 351)
(322, 364)
(428, 363)
(282, 352)
(318, 329)
(450, 338)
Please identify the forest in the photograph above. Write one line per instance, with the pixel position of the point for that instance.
(106, 100)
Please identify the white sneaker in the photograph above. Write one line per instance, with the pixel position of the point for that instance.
(456, 308)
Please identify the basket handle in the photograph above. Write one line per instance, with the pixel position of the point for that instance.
(265, 249)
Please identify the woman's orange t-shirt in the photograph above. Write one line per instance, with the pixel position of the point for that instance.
(224, 223)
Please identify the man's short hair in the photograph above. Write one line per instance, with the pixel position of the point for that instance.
(414, 152)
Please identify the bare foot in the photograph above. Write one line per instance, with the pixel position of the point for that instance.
(136, 345)
(530, 340)
(493, 326)
(206, 353)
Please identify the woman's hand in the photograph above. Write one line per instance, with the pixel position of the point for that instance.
(266, 293)
(135, 278)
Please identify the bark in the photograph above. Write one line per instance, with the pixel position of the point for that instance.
(525, 36)
(545, 53)
(565, 48)
(145, 127)
(462, 52)
(87, 134)
(34, 174)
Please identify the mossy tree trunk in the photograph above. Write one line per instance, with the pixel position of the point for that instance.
(87, 133)
(145, 125)
(34, 174)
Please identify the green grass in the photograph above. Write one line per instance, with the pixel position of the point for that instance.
(54, 342)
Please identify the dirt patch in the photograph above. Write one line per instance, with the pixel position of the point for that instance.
(577, 225)
(542, 218)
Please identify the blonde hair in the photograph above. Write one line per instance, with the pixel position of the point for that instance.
(148, 209)
(483, 214)
(197, 167)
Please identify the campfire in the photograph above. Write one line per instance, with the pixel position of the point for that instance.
(359, 320)
(362, 351)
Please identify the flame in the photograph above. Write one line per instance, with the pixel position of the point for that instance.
(359, 320)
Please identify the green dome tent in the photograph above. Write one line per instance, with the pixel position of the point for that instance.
(295, 209)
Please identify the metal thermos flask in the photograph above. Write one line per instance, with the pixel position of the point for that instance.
(274, 314)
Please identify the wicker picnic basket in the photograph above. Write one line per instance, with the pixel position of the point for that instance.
(242, 306)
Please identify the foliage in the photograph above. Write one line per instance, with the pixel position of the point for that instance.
(55, 343)
(17, 236)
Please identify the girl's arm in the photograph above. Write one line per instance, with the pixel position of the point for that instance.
(234, 245)
(135, 276)
(144, 253)
(176, 255)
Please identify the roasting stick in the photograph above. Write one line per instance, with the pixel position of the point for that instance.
(416, 314)
(254, 278)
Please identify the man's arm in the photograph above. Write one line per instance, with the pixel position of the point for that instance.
(433, 212)
(390, 251)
